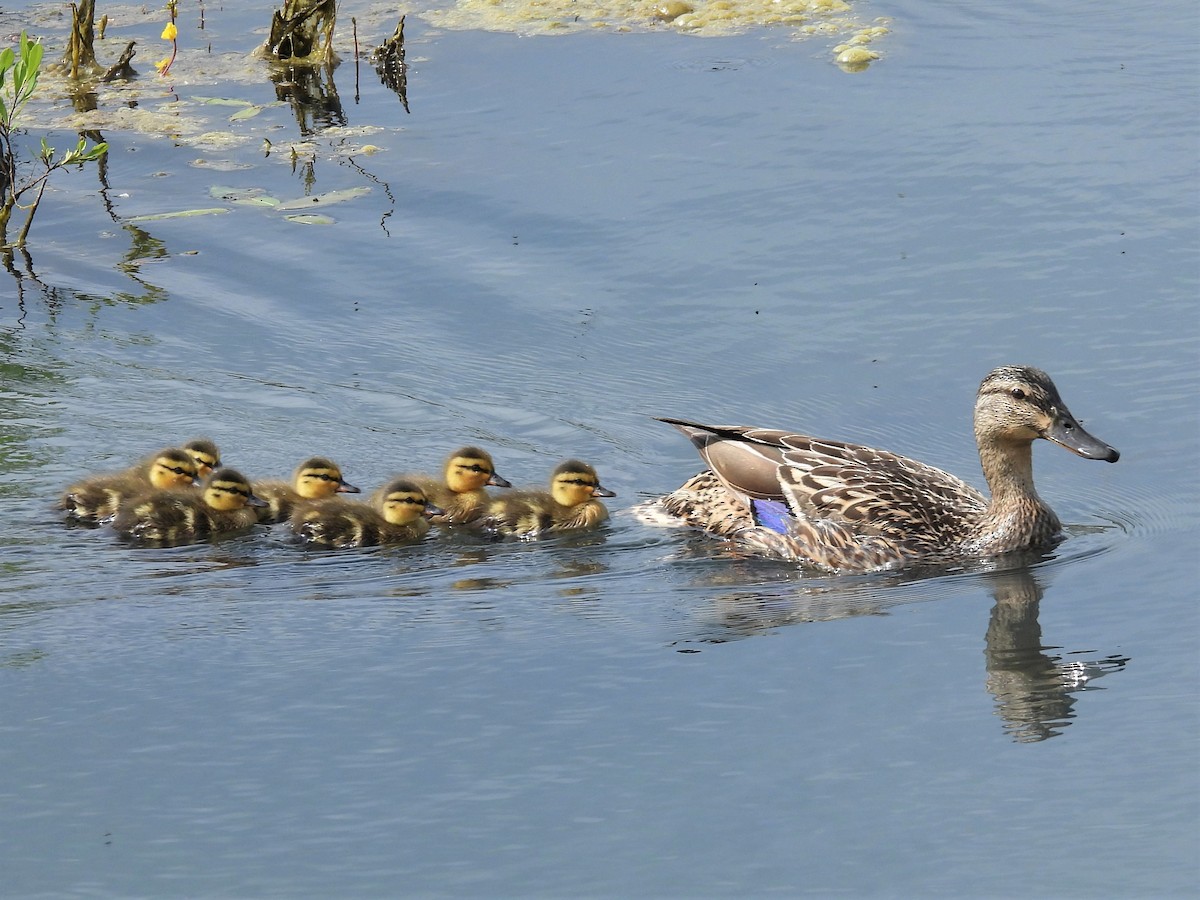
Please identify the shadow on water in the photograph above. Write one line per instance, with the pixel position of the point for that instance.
(1032, 682)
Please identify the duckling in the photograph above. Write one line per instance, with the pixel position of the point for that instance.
(224, 503)
(403, 516)
(205, 454)
(98, 498)
(459, 493)
(317, 478)
(571, 504)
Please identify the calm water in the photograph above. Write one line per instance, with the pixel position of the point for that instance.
(563, 238)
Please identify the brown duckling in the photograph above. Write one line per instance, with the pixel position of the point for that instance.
(317, 478)
(571, 504)
(98, 498)
(336, 523)
(205, 454)
(460, 492)
(225, 503)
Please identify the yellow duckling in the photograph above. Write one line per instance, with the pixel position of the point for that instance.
(225, 503)
(402, 517)
(98, 498)
(571, 504)
(459, 493)
(205, 454)
(317, 478)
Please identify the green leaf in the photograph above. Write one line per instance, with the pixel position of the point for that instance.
(319, 200)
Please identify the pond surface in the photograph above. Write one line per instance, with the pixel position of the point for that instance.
(563, 237)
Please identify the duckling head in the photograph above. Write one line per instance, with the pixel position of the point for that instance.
(172, 469)
(469, 469)
(404, 503)
(574, 482)
(318, 478)
(1019, 404)
(227, 490)
(205, 454)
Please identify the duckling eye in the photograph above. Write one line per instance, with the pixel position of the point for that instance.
(478, 470)
(178, 470)
(1018, 394)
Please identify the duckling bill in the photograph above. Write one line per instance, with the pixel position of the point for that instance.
(847, 507)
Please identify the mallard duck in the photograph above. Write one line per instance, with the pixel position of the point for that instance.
(205, 454)
(571, 504)
(224, 503)
(98, 498)
(845, 507)
(403, 516)
(460, 492)
(317, 478)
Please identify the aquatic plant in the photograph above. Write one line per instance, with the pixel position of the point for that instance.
(19, 71)
(169, 33)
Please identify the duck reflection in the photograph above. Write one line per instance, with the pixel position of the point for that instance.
(1033, 684)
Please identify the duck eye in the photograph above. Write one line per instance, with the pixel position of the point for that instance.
(1018, 394)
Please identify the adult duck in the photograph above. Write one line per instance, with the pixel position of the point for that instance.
(845, 507)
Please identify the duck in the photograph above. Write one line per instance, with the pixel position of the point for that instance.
(205, 454)
(98, 498)
(317, 478)
(224, 504)
(337, 523)
(571, 504)
(844, 507)
(460, 493)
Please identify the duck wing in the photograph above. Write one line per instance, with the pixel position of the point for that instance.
(848, 486)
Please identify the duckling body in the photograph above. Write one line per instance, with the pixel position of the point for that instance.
(571, 504)
(225, 503)
(336, 523)
(460, 493)
(100, 497)
(846, 507)
(317, 478)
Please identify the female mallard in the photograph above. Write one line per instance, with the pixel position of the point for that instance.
(850, 508)
(224, 503)
(571, 504)
(98, 498)
(403, 516)
(460, 492)
(317, 478)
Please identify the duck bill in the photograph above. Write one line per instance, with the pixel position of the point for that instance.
(497, 481)
(256, 501)
(430, 511)
(1066, 432)
(599, 491)
(347, 488)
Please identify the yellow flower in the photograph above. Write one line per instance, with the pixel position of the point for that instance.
(163, 63)
(170, 32)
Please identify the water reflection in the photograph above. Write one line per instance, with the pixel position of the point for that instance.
(1033, 688)
(312, 94)
(1033, 684)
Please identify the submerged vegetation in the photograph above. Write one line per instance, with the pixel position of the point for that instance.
(19, 72)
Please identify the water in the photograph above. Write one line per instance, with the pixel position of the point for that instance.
(565, 237)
